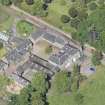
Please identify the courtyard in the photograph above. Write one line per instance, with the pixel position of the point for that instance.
(40, 49)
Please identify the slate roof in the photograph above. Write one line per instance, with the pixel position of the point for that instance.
(2, 64)
(63, 54)
(54, 38)
(16, 40)
(20, 80)
(35, 63)
(37, 34)
(16, 54)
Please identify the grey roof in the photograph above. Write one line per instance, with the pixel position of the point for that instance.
(63, 54)
(49, 37)
(60, 40)
(20, 80)
(35, 63)
(23, 47)
(14, 56)
(54, 38)
(2, 64)
(16, 40)
(37, 34)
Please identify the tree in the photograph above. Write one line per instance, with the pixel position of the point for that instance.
(1, 45)
(75, 22)
(6, 2)
(48, 49)
(17, 1)
(78, 98)
(73, 12)
(96, 59)
(61, 83)
(39, 82)
(65, 18)
(45, 6)
(29, 2)
(101, 2)
(47, 1)
(82, 15)
(37, 99)
(75, 78)
(24, 97)
(13, 100)
(37, 8)
(92, 6)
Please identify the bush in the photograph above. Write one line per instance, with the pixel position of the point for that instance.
(1, 45)
(73, 12)
(47, 1)
(48, 49)
(82, 15)
(92, 6)
(29, 2)
(6, 2)
(45, 6)
(96, 59)
(75, 22)
(65, 18)
(24, 27)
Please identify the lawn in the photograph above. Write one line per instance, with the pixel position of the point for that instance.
(56, 10)
(2, 52)
(92, 89)
(6, 20)
(4, 81)
(24, 28)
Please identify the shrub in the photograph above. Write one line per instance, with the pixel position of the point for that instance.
(65, 18)
(73, 12)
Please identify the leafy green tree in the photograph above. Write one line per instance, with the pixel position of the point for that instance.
(65, 18)
(47, 1)
(40, 83)
(75, 78)
(24, 97)
(17, 1)
(48, 50)
(61, 83)
(37, 99)
(1, 45)
(96, 59)
(92, 6)
(6, 2)
(82, 15)
(73, 12)
(45, 6)
(13, 100)
(75, 23)
(78, 98)
(38, 8)
(29, 2)
(101, 3)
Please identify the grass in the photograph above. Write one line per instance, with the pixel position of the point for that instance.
(6, 20)
(93, 91)
(24, 27)
(4, 81)
(94, 88)
(56, 10)
(26, 7)
(2, 52)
